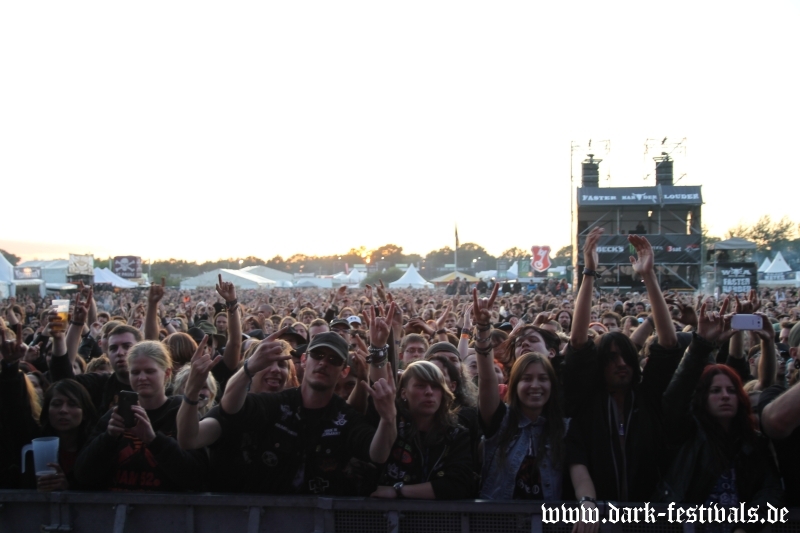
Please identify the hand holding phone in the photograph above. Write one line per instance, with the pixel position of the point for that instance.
(126, 400)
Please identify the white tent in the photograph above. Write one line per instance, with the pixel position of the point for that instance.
(778, 265)
(104, 275)
(411, 280)
(6, 277)
(240, 279)
(352, 279)
(52, 271)
(322, 283)
(513, 271)
(270, 273)
(765, 265)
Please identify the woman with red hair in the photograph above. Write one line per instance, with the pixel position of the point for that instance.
(719, 458)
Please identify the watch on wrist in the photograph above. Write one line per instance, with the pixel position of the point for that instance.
(398, 489)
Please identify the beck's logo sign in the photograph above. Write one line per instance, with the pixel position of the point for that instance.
(541, 258)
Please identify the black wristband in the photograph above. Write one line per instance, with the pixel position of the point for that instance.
(232, 303)
(247, 371)
(190, 402)
(589, 272)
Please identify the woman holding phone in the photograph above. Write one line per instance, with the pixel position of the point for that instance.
(142, 453)
(718, 458)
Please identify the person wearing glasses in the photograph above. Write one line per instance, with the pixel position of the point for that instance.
(302, 439)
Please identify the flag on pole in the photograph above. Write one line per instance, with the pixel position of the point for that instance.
(456, 236)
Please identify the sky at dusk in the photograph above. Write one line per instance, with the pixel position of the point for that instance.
(201, 130)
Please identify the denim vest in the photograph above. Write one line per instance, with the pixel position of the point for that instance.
(498, 480)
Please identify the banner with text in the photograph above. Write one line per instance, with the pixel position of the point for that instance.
(128, 266)
(737, 277)
(27, 273)
(614, 249)
(80, 265)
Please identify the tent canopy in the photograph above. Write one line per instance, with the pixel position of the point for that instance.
(733, 244)
(241, 279)
(269, 273)
(322, 283)
(411, 279)
(765, 265)
(104, 275)
(453, 275)
(779, 264)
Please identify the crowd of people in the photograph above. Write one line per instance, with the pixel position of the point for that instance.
(540, 395)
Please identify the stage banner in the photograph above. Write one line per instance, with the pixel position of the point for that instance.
(80, 265)
(644, 196)
(615, 249)
(738, 278)
(128, 266)
(540, 260)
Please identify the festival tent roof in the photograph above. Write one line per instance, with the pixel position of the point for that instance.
(240, 279)
(411, 279)
(104, 275)
(322, 283)
(513, 270)
(779, 264)
(6, 270)
(452, 275)
(765, 265)
(269, 273)
(733, 244)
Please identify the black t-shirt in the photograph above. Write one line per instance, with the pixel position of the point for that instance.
(275, 445)
(786, 450)
(126, 463)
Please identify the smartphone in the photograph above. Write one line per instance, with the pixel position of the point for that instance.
(746, 322)
(126, 400)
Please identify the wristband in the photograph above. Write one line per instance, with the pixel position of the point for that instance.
(441, 331)
(465, 336)
(589, 272)
(378, 356)
(588, 499)
(77, 323)
(247, 371)
(190, 402)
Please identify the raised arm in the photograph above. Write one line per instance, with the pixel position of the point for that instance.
(644, 265)
(378, 349)
(80, 315)
(579, 334)
(488, 393)
(463, 341)
(767, 363)
(237, 387)
(233, 348)
(154, 296)
(383, 394)
(193, 433)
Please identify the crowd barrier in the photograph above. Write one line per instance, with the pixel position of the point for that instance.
(77, 512)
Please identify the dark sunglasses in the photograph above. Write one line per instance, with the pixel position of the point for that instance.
(332, 359)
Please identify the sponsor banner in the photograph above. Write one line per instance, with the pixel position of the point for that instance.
(614, 249)
(128, 266)
(738, 278)
(80, 265)
(27, 273)
(502, 269)
(525, 270)
(540, 261)
(659, 195)
(777, 276)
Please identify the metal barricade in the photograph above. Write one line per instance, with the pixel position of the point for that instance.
(29, 511)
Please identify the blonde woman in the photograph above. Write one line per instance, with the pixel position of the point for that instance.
(146, 456)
